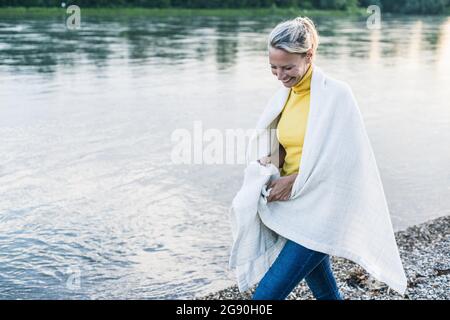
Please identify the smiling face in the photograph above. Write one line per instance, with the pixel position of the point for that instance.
(289, 68)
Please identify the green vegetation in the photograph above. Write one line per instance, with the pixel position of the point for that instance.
(411, 6)
(135, 12)
(211, 4)
(397, 6)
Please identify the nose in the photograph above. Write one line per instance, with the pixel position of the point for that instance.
(280, 75)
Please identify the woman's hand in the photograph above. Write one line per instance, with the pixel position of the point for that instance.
(264, 161)
(281, 188)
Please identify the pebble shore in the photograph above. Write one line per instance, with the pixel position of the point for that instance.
(425, 254)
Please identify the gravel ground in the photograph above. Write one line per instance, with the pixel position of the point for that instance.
(425, 254)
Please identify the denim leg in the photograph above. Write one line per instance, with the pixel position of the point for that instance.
(322, 282)
(292, 264)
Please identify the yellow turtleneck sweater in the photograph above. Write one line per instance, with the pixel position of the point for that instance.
(292, 125)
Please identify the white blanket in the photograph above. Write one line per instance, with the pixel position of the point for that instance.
(337, 204)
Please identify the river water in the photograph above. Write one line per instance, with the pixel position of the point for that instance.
(91, 205)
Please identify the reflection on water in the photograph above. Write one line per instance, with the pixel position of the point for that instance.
(91, 206)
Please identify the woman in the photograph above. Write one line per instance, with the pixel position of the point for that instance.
(292, 49)
(328, 197)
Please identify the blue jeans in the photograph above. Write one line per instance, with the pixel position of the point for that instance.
(294, 263)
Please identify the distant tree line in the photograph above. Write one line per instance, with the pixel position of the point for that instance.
(410, 6)
(397, 6)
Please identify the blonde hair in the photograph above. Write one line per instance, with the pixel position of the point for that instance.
(298, 35)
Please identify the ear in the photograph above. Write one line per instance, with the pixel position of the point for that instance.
(309, 55)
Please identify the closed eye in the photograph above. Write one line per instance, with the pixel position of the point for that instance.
(286, 68)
